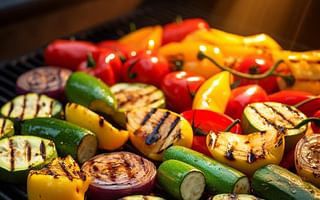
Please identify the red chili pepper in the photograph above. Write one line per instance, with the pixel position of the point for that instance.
(176, 31)
(121, 49)
(179, 88)
(67, 53)
(290, 97)
(309, 106)
(146, 67)
(242, 96)
(104, 64)
(257, 64)
(204, 121)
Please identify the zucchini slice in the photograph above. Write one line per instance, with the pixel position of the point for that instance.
(234, 197)
(6, 128)
(60, 179)
(181, 180)
(20, 154)
(152, 130)
(274, 182)
(274, 116)
(141, 197)
(220, 178)
(131, 96)
(30, 106)
(69, 138)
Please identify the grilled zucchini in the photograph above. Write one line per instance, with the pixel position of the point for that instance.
(20, 154)
(6, 128)
(152, 130)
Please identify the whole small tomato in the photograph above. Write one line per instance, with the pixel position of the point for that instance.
(145, 67)
(121, 49)
(204, 121)
(242, 96)
(257, 64)
(179, 88)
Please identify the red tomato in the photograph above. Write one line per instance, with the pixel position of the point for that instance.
(145, 67)
(257, 64)
(242, 96)
(67, 53)
(290, 97)
(179, 88)
(122, 50)
(204, 121)
(176, 31)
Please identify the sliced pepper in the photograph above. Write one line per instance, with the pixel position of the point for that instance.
(183, 56)
(109, 137)
(214, 93)
(60, 179)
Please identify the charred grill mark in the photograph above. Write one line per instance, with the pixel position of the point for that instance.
(279, 142)
(142, 164)
(172, 126)
(229, 152)
(11, 147)
(23, 106)
(101, 121)
(43, 150)
(134, 98)
(2, 127)
(28, 150)
(154, 135)
(82, 175)
(147, 116)
(292, 110)
(10, 108)
(127, 166)
(251, 157)
(38, 106)
(264, 118)
(279, 114)
(65, 170)
(50, 107)
(112, 169)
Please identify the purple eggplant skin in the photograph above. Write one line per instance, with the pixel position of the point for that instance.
(48, 80)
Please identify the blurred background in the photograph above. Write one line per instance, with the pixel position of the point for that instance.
(26, 25)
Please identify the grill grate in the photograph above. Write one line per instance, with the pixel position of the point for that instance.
(149, 13)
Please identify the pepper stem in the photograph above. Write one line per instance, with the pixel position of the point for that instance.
(316, 120)
(90, 61)
(289, 79)
(236, 121)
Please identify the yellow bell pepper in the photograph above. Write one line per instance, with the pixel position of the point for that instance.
(214, 93)
(152, 130)
(146, 38)
(109, 138)
(249, 152)
(61, 179)
(183, 56)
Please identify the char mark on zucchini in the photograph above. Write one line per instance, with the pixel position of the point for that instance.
(12, 150)
(3, 125)
(43, 150)
(27, 147)
(134, 96)
(265, 119)
(278, 112)
(154, 135)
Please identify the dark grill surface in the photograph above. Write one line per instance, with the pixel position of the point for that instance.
(149, 13)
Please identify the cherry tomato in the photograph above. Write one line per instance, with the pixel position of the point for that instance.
(67, 53)
(179, 88)
(121, 49)
(257, 64)
(204, 121)
(146, 67)
(242, 96)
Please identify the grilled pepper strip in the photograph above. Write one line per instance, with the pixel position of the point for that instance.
(153, 130)
(60, 179)
(109, 138)
(214, 93)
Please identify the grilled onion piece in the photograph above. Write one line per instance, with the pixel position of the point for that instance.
(118, 174)
(307, 162)
(249, 152)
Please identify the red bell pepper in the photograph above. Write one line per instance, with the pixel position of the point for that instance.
(179, 88)
(104, 64)
(67, 53)
(204, 121)
(121, 49)
(290, 97)
(242, 96)
(177, 31)
(146, 67)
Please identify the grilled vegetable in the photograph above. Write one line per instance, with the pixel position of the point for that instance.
(119, 174)
(181, 180)
(44, 80)
(307, 158)
(274, 116)
(20, 154)
(109, 138)
(60, 179)
(69, 138)
(141, 197)
(6, 127)
(135, 95)
(234, 197)
(153, 130)
(249, 152)
(31, 105)
(219, 177)
(275, 182)
(89, 91)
